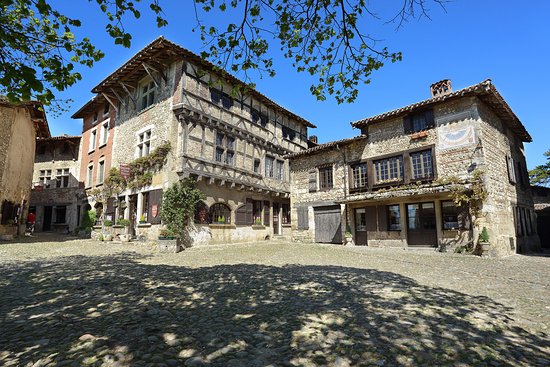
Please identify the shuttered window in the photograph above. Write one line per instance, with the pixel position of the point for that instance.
(303, 219)
(382, 218)
(325, 178)
(511, 169)
(418, 121)
(243, 214)
(312, 181)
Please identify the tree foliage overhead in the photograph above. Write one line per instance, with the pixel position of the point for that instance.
(540, 175)
(328, 39)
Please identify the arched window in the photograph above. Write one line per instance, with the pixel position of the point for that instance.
(201, 213)
(220, 214)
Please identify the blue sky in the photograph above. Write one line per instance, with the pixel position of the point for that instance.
(469, 41)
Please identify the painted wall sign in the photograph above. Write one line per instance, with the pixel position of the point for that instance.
(456, 135)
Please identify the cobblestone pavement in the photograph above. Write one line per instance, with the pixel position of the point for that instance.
(70, 302)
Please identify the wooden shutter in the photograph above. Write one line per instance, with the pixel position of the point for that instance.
(370, 212)
(303, 220)
(312, 181)
(430, 120)
(266, 213)
(382, 217)
(407, 124)
(155, 200)
(463, 217)
(511, 169)
(249, 211)
(241, 215)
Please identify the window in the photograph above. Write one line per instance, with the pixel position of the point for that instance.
(325, 178)
(220, 98)
(422, 164)
(388, 170)
(394, 218)
(106, 109)
(93, 136)
(201, 213)
(257, 212)
(90, 176)
(220, 214)
(103, 134)
(101, 173)
(62, 177)
(144, 143)
(288, 133)
(359, 176)
(95, 118)
(258, 116)
(60, 214)
(511, 169)
(279, 172)
(45, 177)
(360, 220)
(269, 162)
(147, 94)
(419, 121)
(286, 213)
(267, 209)
(225, 146)
(449, 212)
(144, 207)
(256, 166)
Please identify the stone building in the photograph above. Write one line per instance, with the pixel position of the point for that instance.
(57, 197)
(20, 124)
(96, 147)
(232, 142)
(391, 186)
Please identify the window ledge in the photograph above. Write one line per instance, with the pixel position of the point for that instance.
(102, 145)
(144, 225)
(147, 108)
(286, 225)
(91, 151)
(419, 135)
(221, 226)
(258, 226)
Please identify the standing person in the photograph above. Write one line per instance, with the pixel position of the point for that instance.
(31, 220)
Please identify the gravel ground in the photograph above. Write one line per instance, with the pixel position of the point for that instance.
(71, 302)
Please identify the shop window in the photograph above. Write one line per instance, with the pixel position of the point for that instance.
(450, 213)
(286, 213)
(422, 166)
(394, 218)
(220, 214)
(325, 178)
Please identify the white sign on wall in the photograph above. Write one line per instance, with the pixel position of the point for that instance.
(456, 135)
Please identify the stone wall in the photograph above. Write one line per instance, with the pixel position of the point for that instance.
(17, 148)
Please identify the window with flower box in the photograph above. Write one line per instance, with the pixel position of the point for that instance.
(220, 214)
(388, 170)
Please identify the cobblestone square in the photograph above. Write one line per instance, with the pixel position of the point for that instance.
(74, 302)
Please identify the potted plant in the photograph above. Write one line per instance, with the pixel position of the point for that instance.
(176, 213)
(142, 219)
(348, 236)
(483, 242)
(125, 223)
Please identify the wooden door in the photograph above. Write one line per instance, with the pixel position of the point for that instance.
(328, 224)
(47, 221)
(276, 229)
(361, 226)
(421, 224)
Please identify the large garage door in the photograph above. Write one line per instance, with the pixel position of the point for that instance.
(328, 227)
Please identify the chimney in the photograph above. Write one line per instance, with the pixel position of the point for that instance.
(441, 88)
(313, 139)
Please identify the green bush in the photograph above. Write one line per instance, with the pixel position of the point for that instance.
(123, 222)
(178, 205)
(108, 223)
(88, 220)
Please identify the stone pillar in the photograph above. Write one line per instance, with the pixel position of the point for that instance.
(127, 209)
(403, 220)
(438, 222)
(139, 205)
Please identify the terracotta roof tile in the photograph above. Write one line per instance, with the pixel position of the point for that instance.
(326, 146)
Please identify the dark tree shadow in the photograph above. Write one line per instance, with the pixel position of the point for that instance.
(116, 311)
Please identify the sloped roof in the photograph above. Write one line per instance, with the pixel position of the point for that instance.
(485, 90)
(161, 52)
(38, 115)
(326, 146)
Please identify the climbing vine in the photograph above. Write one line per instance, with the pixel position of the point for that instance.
(141, 169)
(467, 193)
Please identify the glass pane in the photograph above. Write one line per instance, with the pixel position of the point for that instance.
(394, 216)
(427, 205)
(360, 220)
(413, 216)
(428, 216)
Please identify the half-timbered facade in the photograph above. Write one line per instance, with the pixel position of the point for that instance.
(391, 186)
(231, 139)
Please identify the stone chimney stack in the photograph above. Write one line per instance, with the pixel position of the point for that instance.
(441, 88)
(313, 139)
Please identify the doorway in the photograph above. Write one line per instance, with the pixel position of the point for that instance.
(328, 224)
(421, 225)
(361, 227)
(47, 220)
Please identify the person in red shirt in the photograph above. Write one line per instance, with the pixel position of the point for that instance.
(31, 219)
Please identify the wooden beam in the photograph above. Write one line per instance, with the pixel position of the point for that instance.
(151, 75)
(110, 102)
(120, 99)
(125, 87)
(158, 71)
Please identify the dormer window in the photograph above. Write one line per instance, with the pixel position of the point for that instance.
(147, 94)
(419, 121)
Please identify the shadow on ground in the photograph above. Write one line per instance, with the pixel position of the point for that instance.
(116, 311)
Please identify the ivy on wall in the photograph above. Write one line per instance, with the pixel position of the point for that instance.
(141, 169)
